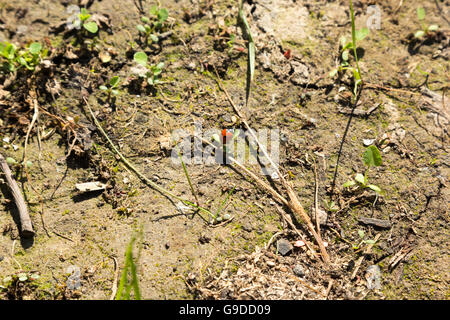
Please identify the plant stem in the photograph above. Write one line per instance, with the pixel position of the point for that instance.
(140, 175)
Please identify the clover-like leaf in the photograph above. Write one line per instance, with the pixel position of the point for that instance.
(349, 184)
(154, 38)
(360, 178)
(91, 26)
(141, 28)
(374, 188)
(141, 58)
(163, 14)
(361, 33)
(433, 27)
(35, 48)
(419, 34)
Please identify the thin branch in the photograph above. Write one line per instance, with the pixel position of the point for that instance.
(25, 221)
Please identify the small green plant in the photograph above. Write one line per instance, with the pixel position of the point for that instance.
(12, 59)
(8, 56)
(130, 268)
(330, 206)
(151, 26)
(426, 30)
(151, 73)
(362, 235)
(90, 26)
(372, 158)
(111, 89)
(346, 47)
(18, 284)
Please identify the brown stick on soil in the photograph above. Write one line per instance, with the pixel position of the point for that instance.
(294, 204)
(25, 221)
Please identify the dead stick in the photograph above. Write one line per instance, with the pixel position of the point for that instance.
(25, 221)
(294, 203)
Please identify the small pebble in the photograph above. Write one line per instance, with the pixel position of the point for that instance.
(270, 263)
(284, 247)
(298, 270)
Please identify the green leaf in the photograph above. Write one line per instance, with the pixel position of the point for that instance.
(115, 92)
(154, 10)
(374, 188)
(433, 27)
(419, 34)
(35, 48)
(360, 178)
(104, 88)
(22, 277)
(333, 73)
(361, 233)
(160, 65)
(141, 58)
(372, 157)
(141, 28)
(369, 241)
(349, 184)
(163, 14)
(84, 15)
(114, 81)
(361, 34)
(421, 13)
(9, 52)
(10, 161)
(154, 38)
(145, 20)
(345, 55)
(91, 26)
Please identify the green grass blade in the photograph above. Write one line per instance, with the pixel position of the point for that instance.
(223, 202)
(251, 50)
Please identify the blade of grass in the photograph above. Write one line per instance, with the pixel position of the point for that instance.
(123, 284)
(251, 50)
(354, 41)
(188, 179)
(223, 202)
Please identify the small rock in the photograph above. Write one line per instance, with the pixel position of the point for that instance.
(283, 269)
(191, 66)
(373, 277)
(298, 270)
(368, 142)
(1, 258)
(167, 245)
(284, 247)
(270, 263)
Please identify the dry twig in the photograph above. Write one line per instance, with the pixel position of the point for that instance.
(25, 221)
